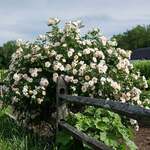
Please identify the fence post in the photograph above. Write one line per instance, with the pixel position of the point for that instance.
(61, 107)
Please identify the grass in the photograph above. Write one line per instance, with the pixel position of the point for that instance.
(143, 66)
(13, 137)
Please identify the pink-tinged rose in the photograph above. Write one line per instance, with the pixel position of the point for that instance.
(103, 40)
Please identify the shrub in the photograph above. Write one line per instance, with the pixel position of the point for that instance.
(90, 64)
(143, 66)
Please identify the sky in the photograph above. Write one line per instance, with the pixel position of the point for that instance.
(26, 19)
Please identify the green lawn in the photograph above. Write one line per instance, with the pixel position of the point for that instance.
(13, 137)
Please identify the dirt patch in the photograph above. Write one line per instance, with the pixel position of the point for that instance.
(142, 139)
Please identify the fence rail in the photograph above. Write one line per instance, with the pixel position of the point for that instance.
(131, 111)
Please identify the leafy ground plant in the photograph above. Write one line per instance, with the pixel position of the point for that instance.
(102, 125)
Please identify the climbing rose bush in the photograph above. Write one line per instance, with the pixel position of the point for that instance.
(90, 64)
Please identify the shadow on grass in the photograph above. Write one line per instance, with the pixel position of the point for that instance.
(13, 137)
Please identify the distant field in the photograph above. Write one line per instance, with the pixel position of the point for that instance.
(143, 66)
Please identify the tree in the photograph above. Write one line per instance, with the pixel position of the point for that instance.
(6, 52)
(1, 58)
(137, 37)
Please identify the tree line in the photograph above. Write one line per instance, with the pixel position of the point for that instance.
(6, 51)
(137, 37)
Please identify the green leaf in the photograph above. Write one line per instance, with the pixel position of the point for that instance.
(105, 119)
(101, 125)
(103, 136)
(63, 138)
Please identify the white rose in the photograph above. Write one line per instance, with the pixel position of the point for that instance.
(69, 78)
(63, 60)
(86, 51)
(74, 71)
(135, 76)
(53, 21)
(33, 96)
(79, 54)
(94, 59)
(75, 81)
(47, 64)
(55, 67)
(44, 93)
(29, 80)
(103, 40)
(110, 51)
(62, 68)
(70, 53)
(72, 50)
(115, 85)
(103, 80)
(102, 68)
(64, 45)
(68, 67)
(25, 90)
(39, 100)
(19, 42)
(53, 53)
(91, 83)
(87, 77)
(16, 77)
(35, 92)
(99, 54)
(33, 72)
(94, 79)
(73, 88)
(93, 65)
(74, 64)
(99, 92)
(57, 44)
(58, 57)
(81, 62)
(84, 89)
(44, 82)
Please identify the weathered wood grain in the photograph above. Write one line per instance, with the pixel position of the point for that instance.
(139, 113)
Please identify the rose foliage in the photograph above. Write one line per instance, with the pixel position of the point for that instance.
(91, 65)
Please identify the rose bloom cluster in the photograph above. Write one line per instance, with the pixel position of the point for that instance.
(90, 64)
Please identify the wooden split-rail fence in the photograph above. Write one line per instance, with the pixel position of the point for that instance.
(140, 114)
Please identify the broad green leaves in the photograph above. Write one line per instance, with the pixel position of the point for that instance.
(105, 126)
